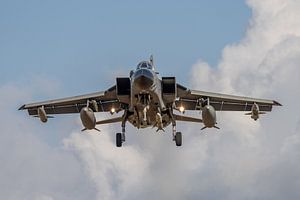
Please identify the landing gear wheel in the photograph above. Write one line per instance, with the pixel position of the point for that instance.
(118, 139)
(178, 139)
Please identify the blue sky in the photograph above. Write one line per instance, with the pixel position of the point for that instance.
(84, 45)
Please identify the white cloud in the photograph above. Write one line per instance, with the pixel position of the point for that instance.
(245, 159)
(31, 168)
(264, 64)
(114, 171)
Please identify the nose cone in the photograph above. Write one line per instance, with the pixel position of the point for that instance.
(143, 79)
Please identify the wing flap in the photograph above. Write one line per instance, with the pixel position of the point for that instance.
(109, 121)
(187, 118)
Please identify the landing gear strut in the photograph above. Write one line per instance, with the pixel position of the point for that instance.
(120, 137)
(177, 136)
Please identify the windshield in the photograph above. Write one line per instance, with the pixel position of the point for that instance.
(144, 64)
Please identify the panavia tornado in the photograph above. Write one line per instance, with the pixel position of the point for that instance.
(146, 100)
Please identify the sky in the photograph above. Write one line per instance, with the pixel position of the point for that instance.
(86, 44)
(53, 49)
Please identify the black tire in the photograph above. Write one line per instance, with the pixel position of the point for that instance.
(118, 139)
(178, 139)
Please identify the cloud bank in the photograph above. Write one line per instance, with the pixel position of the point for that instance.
(246, 159)
(243, 160)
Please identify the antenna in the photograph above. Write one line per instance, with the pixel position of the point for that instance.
(151, 60)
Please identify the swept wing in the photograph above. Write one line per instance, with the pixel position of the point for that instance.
(194, 100)
(102, 102)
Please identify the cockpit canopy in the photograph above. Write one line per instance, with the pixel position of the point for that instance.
(144, 65)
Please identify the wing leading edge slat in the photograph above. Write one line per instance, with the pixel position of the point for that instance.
(105, 101)
(192, 100)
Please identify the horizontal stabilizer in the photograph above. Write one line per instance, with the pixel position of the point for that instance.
(109, 121)
(260, 113)
(49, 117)
(187, 119)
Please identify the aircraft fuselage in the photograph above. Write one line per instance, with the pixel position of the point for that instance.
(147, 107)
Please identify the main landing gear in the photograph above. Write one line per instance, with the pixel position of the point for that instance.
(177, 136)
(120, 137)
(178, 139)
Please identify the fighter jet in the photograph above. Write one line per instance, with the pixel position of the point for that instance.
(146, 100)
